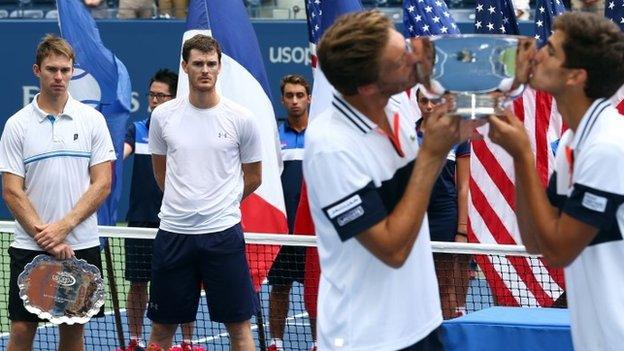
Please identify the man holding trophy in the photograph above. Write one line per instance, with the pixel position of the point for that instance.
(55, 159)
(368, 192)
(577, 223)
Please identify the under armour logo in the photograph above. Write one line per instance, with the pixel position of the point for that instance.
(223, 135)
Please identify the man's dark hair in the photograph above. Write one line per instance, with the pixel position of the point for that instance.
(596, 45)
(168, 77)
(294, 79)
(350, 50)
(202, 43)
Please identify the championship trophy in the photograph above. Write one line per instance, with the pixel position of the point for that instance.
(480, 73)
(61, 291)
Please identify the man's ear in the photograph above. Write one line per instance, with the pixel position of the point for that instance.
(184, 66)
(577, 77)
(36, 70)
(368, 89)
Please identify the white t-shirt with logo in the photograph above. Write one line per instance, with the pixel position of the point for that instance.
(53, 154)
(205, 149)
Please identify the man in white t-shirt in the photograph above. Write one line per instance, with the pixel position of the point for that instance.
(577, 223)
(207, 156)
(55, 159)
(368, 194)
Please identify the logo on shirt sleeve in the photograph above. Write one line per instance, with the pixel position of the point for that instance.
(350, 216)
(594, 202)
(344, 206)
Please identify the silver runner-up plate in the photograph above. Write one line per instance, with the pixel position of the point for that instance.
(61, 291)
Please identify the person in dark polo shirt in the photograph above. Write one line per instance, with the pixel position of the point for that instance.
(145, 201)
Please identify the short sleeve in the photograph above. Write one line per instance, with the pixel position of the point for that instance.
(597, 194)
(345, 193)
(156, 142)
(250, 143)
(463, 149)
(130, 135)
(102, 149)
(11, 149)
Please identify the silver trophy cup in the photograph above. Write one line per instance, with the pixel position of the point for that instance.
(480, 72)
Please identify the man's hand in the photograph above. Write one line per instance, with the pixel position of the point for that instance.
(525, 58)
(422, 48)
(444, 131)
(62, 251)
(509, 132)
(52, 234)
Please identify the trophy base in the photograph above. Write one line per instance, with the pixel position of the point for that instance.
(475, 106)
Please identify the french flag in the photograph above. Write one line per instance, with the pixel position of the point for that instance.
(244, 80)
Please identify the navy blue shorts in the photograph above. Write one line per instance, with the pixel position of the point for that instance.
(139, 255)
(183, 262)
(289, 266)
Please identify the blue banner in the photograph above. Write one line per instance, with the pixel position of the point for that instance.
(101, 80)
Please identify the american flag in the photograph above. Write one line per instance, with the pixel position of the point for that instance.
(614, 10)
(427, 17)
(515, 281)
(321, 15)
(545, 13)
(495, 17)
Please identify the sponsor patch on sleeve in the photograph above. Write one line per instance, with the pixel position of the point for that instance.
(344, 206)
(594, 202)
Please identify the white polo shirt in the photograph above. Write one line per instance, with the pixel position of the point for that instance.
(355, 177)
(594, 194)
(53, 155)
(205, 149)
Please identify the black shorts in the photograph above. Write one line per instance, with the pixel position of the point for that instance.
(288, 267)
(184, 262)
(431, 342)
(139, 255)
(19, 259)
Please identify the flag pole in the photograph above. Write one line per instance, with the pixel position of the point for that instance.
(114, 296)
(260, 324)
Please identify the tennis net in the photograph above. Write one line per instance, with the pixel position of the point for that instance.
(463, 288)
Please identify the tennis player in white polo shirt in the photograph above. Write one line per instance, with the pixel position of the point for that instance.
(577, 223)
(368, 194)
(55, 159)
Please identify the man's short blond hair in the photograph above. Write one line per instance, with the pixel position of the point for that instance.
(350, 51)
(54, 45)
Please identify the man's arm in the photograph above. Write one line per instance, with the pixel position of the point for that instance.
(462, 182)
(127, 150)
(252, 177)
(558, 237)
(159, 165)
(18, 202)
(391, 240)
(52, 234)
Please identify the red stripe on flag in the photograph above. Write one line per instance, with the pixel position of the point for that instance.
(543, 102)
(518, 107)
(502, 236)
(259, 216)
(495, 171)
(500, 290)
